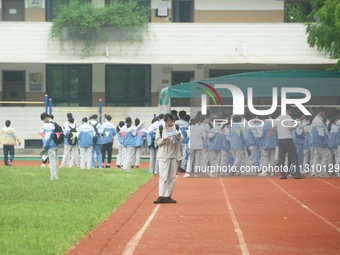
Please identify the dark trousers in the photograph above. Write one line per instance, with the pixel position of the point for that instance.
(107, 147)
(8, 149)
(288, 146)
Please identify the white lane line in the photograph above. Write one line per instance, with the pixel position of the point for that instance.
(330, 184)
(243, 245)
(132, 244)
(306, 207)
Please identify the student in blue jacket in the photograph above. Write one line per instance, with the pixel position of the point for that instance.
(269, 144)
(85, 140)
(139, 135)
(299, 138)
(109, 132)
(320, 138)
(49, 145)
(97, 144)
(238, 143)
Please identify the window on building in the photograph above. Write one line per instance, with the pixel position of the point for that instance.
(128, 85)
(179, 77)
(297, 11)
(183, 10)
(53, 7)
(69, 85)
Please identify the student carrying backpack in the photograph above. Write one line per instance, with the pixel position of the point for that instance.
(96, 134)
(72, 139)
(58, 134)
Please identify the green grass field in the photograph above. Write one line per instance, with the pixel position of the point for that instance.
(39, 216)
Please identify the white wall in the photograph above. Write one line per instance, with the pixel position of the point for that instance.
(230, 4)
(239, 5)
(171, 43)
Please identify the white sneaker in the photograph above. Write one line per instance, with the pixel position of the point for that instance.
(43, 165)
(187, 175)
(263, 174)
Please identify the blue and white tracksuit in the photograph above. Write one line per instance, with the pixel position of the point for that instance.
(238, 144)
(307, 147)
(139, 135)
(150, 137)
(85, 142)
(298, 136)
(51, 147)
(269, 144)
(109, 132)
(322, 154)
(253, 137)
(96, 147)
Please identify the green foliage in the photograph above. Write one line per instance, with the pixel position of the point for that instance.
(86, 23)
(297, 12)
(39, 216)
(325, 34)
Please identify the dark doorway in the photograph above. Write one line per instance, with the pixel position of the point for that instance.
(13, 86)
(13, 10)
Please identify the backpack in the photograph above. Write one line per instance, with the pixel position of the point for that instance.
(96, 134)
(58, 129)
(72, 139)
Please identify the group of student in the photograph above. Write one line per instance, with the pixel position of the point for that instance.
(259, 146)
(87, 145)
(233, 146)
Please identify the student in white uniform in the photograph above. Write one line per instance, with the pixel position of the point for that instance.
(320, 138)
(139, 141)
(299, 138)
(183, 125)
(120, 155)
(97, 144)
(334, 136)
(66, 155)
(49, 145)
(85, 139)
(195, 148)
(151, 136)
(238, 144)
(205, 125)
(254, 133)
(168, 141)
(128, 144)
(307, 146)
(71, 131)
(269, 144)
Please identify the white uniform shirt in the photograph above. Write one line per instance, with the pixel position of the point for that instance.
(283, 123)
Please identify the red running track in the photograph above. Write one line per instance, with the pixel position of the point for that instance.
(234, 215)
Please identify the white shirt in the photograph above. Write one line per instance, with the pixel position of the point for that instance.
(182, 123)
(196, 137)
(283, 131)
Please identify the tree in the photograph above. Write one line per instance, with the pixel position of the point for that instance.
(325, 34)
(297, 12)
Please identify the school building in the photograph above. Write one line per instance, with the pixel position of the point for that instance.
(186, 40)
